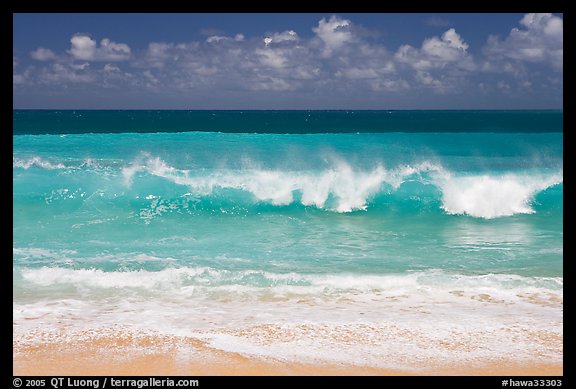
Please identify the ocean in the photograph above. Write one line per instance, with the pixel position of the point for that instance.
(396, 239)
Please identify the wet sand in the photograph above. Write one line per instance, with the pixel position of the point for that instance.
(163, 355)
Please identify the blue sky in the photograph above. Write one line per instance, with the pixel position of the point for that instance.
(288, 61)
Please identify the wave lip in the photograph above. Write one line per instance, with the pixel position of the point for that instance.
(490, 197)
(339, 188)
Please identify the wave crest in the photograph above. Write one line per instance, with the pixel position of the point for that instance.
(490, 197)
(340, 188)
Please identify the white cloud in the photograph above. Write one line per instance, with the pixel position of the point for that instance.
(85, 48)
(217, 38)
(82, 66)
(285, 36)
(357, 73)
(334, 33)
(449, 40)
(426, 79)
(271, 84)
(389, 85)
(220, 38)
(17, 79)
(112, 51)
(22, 76)
(109, 68)
(437, 52)
(150, 80)
(42, 54)
(539, 41)
(157, 54)
(551, 26)
(271, 58)
(205, 70)
(441, 63)
(59, 73)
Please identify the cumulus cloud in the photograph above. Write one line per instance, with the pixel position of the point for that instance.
(61, 74)
(334, 33)
(157, 54)
(539, 40)
(285, 36)
(85, 48)
(271, 58)
(441, 63)
(42, 54)
(19, 78)
(437, 52)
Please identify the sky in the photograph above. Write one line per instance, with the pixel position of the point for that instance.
(287, 61)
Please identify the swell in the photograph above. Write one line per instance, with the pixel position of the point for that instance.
(156, 188)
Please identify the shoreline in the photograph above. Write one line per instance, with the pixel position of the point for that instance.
(169, 355)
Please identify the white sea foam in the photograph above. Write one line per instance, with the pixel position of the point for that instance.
(377, 320)
(36, 252)
(345, 188)
(96, 278)
(342, 188)
(68, 164)
(489, 197)
(35, 162)
(173, 280)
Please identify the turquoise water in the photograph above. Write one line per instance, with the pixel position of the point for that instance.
(189, 224)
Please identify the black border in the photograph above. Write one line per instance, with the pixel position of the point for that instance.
(8, 7)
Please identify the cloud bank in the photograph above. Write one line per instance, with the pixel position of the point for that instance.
(337, 60)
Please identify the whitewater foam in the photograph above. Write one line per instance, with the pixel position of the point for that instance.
(172, 280)
(340, 188)
(35, 162)
(490, 197)
(340, 318)
(343, 189)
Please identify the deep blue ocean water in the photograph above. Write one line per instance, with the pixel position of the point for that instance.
(208, 219)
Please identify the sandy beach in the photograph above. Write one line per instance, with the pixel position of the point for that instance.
(171, 355)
